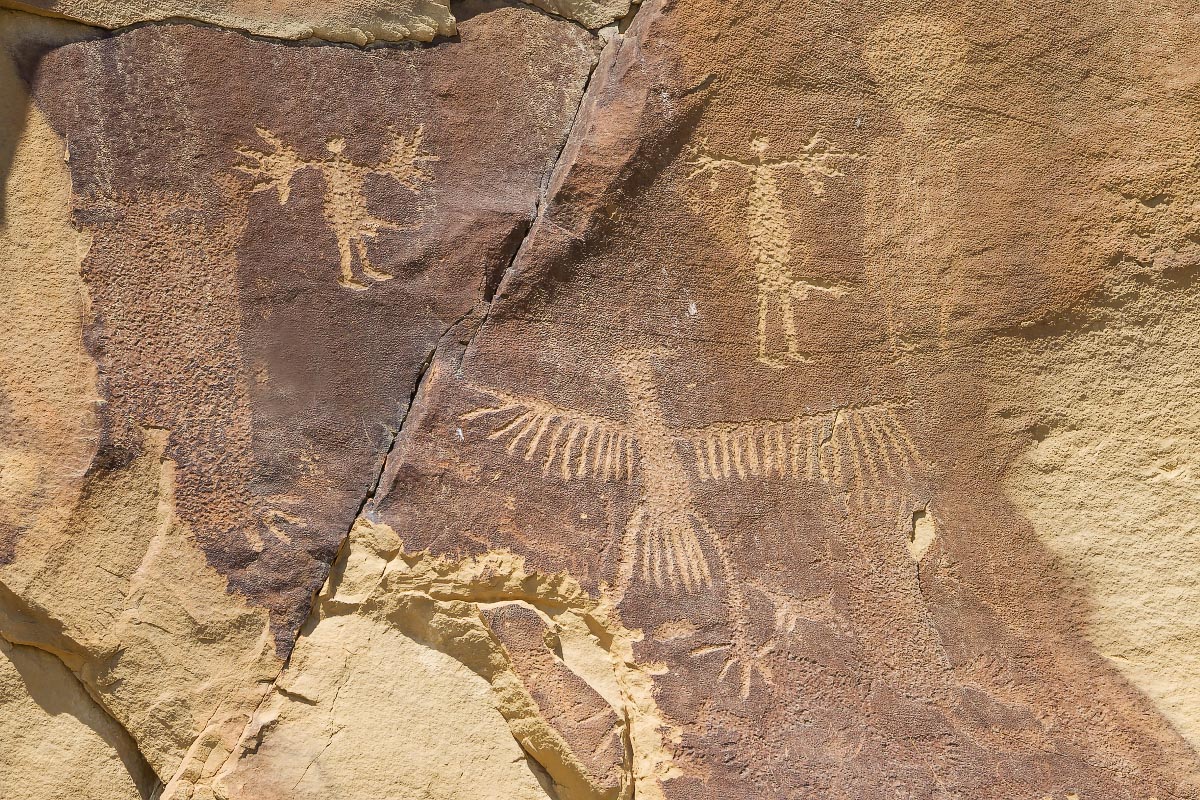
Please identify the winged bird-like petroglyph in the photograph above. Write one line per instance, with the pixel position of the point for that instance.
(863, 451)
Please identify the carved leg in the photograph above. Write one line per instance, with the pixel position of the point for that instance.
(347, 278)
(789, 326)
(764, 310)
(367, 270)
(797, 293)
(628, 554)
(766, 298)
(741, 653)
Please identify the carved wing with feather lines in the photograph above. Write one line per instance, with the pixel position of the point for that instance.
(570, 444)
(865, 446)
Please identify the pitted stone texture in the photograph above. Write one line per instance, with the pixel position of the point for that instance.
(274, 258)
(740, 379)
(360, 22)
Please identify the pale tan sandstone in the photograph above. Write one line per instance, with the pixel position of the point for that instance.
(1111, 486)
(57, 741)
(592, 13)
(357, 21)
(1109, 477)
(127, 602)
(46, 376)
(397, 688)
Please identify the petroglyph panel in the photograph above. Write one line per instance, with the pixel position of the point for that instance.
(667, 541)
(584, 446)
(197, 407)
(772, 262)
(280, 380)
(345, 205)
(769, 234)
(714, 401)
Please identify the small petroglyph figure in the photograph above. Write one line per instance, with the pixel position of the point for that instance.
(665, 537)
(277, 522)
(345, 206)
(769, 234)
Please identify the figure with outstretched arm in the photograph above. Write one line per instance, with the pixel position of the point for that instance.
(768, 233)
(345, 205)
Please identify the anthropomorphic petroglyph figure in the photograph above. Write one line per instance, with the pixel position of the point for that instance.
(769, 234)
(345, 206)
(857, 450)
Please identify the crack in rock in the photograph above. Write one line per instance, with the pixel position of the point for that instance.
(426, 619)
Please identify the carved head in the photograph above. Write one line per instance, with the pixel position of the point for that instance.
(336, 145)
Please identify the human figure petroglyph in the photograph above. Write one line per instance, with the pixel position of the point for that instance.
(345, 205)
(769, 235)
(857, 450)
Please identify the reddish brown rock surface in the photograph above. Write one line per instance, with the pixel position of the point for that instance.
(278, 247)
(743, 401)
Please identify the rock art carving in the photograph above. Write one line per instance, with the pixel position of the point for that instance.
(190, 425)
(345, 206)
(857, 449)
(768, 233)
(863, 450)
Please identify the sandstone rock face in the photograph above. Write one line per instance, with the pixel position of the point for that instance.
(358, 22)
(742, 400)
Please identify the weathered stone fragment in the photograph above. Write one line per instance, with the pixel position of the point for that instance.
(57, 741)
(398, 688)
(592, 13)
(588, 724)
(357, 21)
